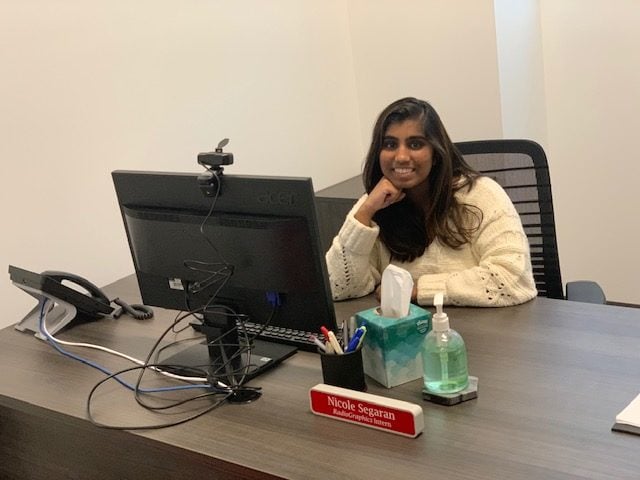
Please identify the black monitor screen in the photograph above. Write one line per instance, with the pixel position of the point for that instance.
(253, 246)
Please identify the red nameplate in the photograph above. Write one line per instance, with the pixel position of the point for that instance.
(368, 410)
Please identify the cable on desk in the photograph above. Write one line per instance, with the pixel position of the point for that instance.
(139, 312)
(157, 369)
(217, 274)
(115, 376)
(55, 343)
(158, 426)
(214, 275)
(236, 389)
(244, 348)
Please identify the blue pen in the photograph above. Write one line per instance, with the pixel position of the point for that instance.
(355, 340)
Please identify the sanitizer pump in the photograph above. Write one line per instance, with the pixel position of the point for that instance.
(444, 355)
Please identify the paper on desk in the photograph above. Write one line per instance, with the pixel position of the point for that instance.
(395, 292)
(630, 415)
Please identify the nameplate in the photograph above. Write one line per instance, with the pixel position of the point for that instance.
(368, 410)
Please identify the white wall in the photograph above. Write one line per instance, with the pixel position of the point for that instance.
(89, 87)
(438, 50)
(520, 58)
(592, 84)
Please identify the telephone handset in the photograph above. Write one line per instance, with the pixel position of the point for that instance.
(139, 312)
(87, 306)
(89, 287)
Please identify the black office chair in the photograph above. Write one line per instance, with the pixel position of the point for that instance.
(520, 167)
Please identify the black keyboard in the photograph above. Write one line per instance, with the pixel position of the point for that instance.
(288, 336)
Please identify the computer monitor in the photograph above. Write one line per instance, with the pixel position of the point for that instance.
(252, 252)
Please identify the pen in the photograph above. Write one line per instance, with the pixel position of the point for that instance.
(352, 327)
(330, 337)
(325, 332)
(355, 340)
(334, 343)
(364, 332)
(320, 345)
(329, 348)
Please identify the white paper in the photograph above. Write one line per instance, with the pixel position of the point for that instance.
(396, 289)
(631, 413)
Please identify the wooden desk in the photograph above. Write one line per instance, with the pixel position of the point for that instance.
(553, 375)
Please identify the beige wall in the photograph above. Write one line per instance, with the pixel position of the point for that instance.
(438, 50)
(592, 84)
(520, 58)
(88, 87)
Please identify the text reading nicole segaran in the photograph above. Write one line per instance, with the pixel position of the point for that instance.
(360, 412)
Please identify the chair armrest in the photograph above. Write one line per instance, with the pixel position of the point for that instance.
(585, 291)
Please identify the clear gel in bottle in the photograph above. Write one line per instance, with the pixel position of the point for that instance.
(444, 355)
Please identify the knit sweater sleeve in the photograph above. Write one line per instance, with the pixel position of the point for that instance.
(503, 275)
(352, 260)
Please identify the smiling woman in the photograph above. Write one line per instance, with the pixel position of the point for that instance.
(427, 211)
(406, 156)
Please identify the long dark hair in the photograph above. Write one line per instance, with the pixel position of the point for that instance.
(408, 228)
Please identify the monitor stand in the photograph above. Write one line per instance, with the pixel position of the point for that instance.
(224, 355)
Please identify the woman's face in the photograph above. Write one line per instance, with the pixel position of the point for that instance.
(406, 157)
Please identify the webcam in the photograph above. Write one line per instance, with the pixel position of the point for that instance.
(217, 158)
(210, 182)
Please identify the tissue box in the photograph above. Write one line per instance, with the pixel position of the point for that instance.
(392, 347)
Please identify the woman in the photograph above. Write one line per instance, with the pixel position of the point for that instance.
(427, 211)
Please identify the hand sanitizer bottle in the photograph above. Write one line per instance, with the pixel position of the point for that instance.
(444, 355)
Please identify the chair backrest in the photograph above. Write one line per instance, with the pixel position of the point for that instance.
(520, 167)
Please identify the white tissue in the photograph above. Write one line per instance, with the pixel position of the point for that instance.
(396, 289)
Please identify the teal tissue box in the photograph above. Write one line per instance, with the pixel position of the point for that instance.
(392, 348)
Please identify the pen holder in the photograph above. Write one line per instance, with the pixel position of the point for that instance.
(344, 370)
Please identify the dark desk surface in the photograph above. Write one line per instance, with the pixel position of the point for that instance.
(553, 375)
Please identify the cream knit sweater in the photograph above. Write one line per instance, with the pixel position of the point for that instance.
(493, 270)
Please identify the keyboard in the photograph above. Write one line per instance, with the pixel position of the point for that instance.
(288, 336)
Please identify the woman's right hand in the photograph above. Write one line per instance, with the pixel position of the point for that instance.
(383, 194)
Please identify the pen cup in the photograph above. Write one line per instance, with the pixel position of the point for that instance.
(344, 370)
